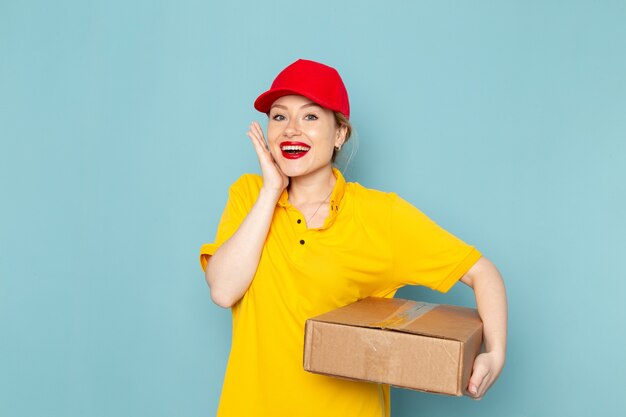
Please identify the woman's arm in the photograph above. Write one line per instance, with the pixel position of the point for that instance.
(231, 269)
(491, 302)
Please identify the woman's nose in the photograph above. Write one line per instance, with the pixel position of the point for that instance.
(292, 128)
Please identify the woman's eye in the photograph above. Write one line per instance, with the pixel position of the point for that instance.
(278, 117)
(310, 117)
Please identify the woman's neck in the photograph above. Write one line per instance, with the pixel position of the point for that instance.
(311, 189)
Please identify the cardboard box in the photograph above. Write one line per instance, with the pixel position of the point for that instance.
(408, 344)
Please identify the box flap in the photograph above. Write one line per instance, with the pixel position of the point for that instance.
(407, 316)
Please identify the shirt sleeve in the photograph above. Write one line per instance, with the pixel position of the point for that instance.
(424, 253)
(241, 197)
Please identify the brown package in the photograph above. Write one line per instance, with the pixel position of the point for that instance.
(408, 344)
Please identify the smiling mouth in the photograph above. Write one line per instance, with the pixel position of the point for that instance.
(293, 151)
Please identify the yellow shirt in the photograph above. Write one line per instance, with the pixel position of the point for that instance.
(371, 244)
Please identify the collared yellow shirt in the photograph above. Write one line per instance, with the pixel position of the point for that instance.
(371, 244)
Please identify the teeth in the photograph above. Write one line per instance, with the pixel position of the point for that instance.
(295, 148)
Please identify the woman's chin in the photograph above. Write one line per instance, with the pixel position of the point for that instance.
(300, 170)
(292, 171)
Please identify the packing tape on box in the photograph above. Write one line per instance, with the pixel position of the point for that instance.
(404, 315)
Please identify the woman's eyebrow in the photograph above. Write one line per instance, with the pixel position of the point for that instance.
(310, 104)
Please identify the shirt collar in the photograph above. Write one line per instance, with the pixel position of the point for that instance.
(338, 191)
(335, 197)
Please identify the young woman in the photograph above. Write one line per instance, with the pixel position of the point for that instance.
(299, 241)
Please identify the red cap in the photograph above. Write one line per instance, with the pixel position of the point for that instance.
(317, 82)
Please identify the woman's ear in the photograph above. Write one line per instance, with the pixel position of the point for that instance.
(341, 136)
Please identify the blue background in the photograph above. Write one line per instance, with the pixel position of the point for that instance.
(123, 123)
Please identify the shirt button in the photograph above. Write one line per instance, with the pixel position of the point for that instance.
(299, 221)
(302, 242)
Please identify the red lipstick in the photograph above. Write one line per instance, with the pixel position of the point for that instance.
(294, 150)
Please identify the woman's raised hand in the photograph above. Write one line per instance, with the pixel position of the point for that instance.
(233, 266)
(273, 177)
